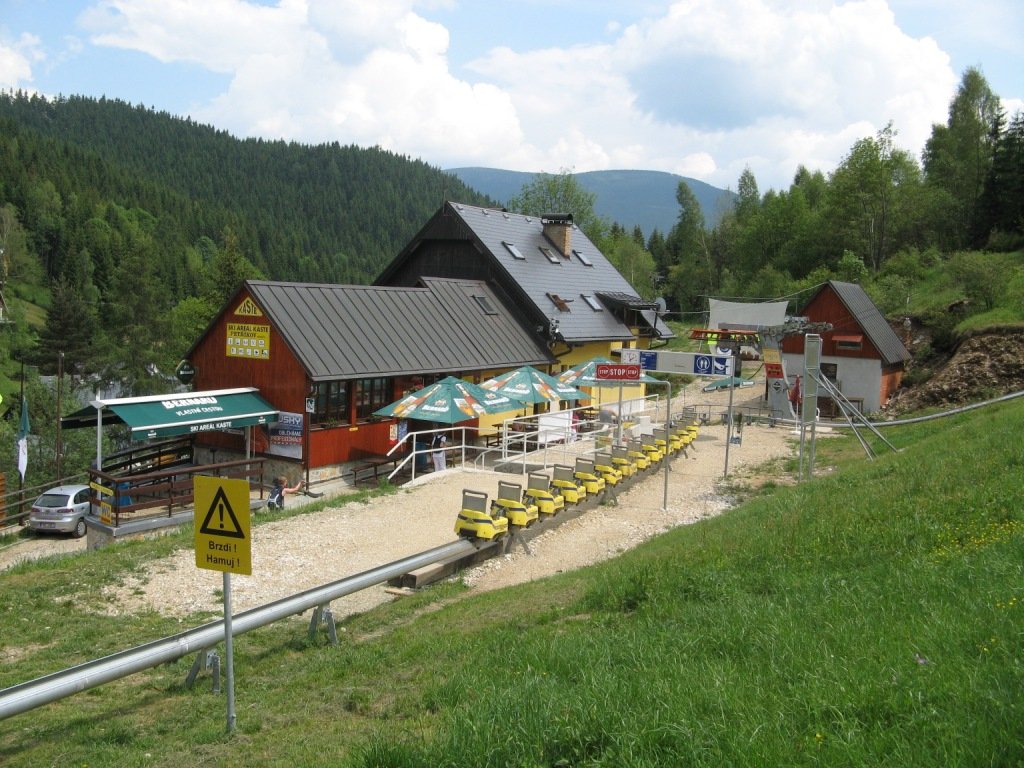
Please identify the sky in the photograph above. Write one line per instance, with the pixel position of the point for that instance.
(701, 88)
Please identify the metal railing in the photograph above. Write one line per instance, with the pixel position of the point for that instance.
(44, 690)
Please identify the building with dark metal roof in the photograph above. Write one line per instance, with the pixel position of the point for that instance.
(545, 268)
(328, 356)
(862, 355)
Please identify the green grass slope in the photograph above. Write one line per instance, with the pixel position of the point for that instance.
(872, 616)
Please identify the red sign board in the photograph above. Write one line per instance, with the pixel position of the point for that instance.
(773, 370)
(616, 372)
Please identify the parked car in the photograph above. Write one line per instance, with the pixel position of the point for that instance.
(62, 509)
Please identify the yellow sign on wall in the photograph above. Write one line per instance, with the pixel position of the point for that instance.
(222, 525)
(248, 340)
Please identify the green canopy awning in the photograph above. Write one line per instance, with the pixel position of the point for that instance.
(179, 414)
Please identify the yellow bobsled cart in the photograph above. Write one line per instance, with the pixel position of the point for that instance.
(636, 452)
(476, 520)
(587, 474)
(563, 478)
(512, 504)
(622, 462)
(651, 448)
(540, 491)
(667, 443)
(606, 468)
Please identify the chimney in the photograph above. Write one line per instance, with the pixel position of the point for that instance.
(558, 229)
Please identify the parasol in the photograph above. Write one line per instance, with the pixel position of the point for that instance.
(530, 385)
(448, 401)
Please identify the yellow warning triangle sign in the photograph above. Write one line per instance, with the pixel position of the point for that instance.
(220, 519)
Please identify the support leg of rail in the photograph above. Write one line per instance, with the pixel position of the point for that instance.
(215, 664)
(314, 620)
(205, 660)
(332, 629)
(322, 613)
(199, 664)
(517, 538)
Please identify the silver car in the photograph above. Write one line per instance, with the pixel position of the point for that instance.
(61, 509)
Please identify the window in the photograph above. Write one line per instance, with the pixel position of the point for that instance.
(485, 305)
(592, 302)
(371, 395)
(849, 342)
(331, 398)
(558, 301)
(583, 258)
(511, 248)
(549, 254)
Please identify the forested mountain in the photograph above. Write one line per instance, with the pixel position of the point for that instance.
(327, 213)
(645, 199)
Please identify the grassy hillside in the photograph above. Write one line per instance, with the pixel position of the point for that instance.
(872, 616)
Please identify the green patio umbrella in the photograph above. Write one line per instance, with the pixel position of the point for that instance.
(530, 385)
(448, 401)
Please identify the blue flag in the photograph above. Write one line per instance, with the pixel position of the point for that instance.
(23, 439)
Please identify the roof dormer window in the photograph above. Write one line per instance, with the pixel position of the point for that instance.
(592, 302)
(583, 258)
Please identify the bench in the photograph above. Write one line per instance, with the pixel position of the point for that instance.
(374, 463)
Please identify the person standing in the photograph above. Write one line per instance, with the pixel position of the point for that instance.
(437, 452)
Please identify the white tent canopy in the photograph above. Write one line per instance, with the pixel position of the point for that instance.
(750, 316)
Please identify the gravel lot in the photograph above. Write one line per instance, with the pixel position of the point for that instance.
(309, 550)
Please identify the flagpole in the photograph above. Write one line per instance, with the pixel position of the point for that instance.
(21, 476)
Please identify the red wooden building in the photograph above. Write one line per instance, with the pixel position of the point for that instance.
(328, 356)
(862, 355)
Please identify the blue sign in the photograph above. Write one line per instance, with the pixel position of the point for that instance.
(648, 360)
(711, 365)
(702, 365)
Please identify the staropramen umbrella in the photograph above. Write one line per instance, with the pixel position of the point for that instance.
(448, 401)
(530, 385)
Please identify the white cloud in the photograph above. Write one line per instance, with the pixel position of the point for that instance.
(704, 89)
(712, 86)
(16, 62)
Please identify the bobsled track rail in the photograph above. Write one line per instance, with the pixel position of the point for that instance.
(44, 690)
(412, 571)
(914, 419)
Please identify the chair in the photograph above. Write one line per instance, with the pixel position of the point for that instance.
(564, 479)
(476, 521)
(512, 503)
(539, 491)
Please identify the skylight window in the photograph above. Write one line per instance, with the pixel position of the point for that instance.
(511, 248)
(485, 305)
(561, 303)
(583, 258)
(592, 302)
(549, 254)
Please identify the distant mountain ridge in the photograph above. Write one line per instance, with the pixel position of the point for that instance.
(630, 198)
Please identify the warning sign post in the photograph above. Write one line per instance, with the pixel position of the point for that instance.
(222, 525)
(223, 543)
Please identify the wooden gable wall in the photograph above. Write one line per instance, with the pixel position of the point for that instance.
(826, 307)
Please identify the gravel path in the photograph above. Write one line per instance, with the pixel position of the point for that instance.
(313, 549)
